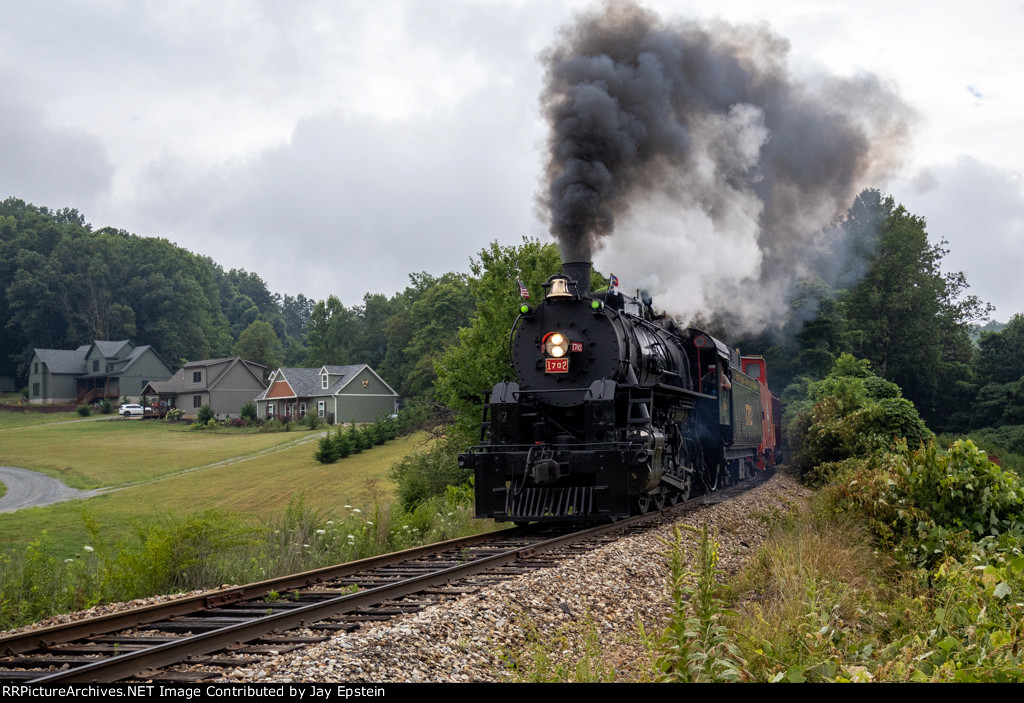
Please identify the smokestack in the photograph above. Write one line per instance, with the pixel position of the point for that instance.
(578, 271)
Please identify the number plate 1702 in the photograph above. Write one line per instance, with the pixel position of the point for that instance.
(556, 365)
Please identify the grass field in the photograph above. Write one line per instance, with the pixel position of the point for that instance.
(113, 451)
(9, 419)
(160, 467)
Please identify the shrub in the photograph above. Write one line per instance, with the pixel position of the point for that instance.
(427, 473)
(84, 410)
(248, 411)
(106, 407)
(931, 504)
(849, 414)
(205, 414)
(174, 414)
(311, 421)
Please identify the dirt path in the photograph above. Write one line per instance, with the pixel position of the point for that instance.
(28, 489)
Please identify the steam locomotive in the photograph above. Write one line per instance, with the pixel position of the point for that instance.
(616, 411)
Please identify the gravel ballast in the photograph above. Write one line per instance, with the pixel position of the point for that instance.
(491, 635)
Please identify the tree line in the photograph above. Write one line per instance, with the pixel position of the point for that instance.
(887, 300)
(63, 284)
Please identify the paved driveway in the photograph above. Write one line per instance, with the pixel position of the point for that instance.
(29, 489)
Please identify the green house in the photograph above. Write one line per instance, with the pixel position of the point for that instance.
(103, 369)
(346, 393)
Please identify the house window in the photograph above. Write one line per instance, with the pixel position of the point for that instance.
(36, 367)
(270, 411)
(302, 410)
(197, 401)
(366, 384)
(197, 377)
(109, 367)
(95, 365)
(321, 408)
(323, 382)
(35, 390)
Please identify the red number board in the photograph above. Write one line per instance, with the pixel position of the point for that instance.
(556, 365)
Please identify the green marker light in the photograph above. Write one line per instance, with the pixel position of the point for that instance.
(596, 304)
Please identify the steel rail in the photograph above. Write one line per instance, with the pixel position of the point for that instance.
(29, 640)
(132, 663)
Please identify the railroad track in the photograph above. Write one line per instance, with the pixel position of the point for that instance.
(232, 627)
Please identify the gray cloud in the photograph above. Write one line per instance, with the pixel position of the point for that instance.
(979, 210)
(49, 165)
(353, 205)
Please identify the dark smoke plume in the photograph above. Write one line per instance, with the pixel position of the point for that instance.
(716, 169)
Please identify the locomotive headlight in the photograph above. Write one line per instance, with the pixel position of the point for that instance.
(556, 345)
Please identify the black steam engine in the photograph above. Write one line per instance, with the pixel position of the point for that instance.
(615, 411)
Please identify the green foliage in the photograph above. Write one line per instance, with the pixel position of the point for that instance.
(259, 343)
(559, 657)
(848, 414)
(311, 421)
(170, 553)
(425, 320)
(333, 446)
(356, 438)
(481, 357)
(1001, 354)
(205, 414)
(1005, 445)
(248, 412)
(828, 608)
(174, 414)
(106, 407)
(84, 410)
(886, 299)
(343, 442)
(430, 472)
(931, 504)
(904, 314)
(696, 645)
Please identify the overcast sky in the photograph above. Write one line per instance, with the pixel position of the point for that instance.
(333, 147)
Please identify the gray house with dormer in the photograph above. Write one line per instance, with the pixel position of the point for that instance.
(102, 369)
(224, 384)
(344, 393)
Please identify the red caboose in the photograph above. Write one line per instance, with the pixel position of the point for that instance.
(770, 450)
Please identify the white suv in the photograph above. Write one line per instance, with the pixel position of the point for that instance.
(131, 409)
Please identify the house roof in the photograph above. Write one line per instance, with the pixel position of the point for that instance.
(181, 383)
(110, 350)
(121, 365)
(63, 361)
(307, 382)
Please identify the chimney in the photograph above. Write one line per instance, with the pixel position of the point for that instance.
(578, 271)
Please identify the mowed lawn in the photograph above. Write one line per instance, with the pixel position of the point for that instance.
(114, 451)
(10, 418)
(269, 471)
